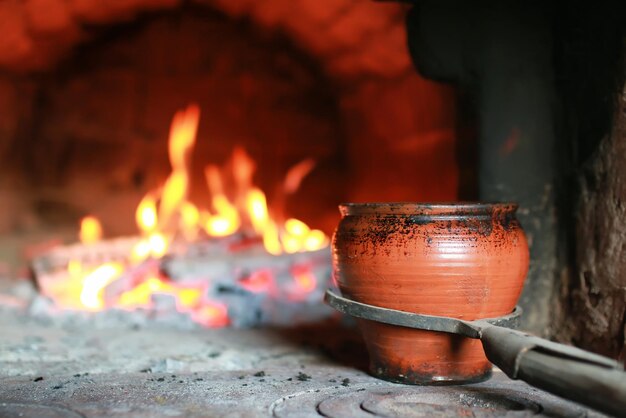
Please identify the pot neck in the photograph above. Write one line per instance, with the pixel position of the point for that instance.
(434, 210)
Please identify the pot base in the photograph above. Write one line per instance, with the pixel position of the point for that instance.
(420, 379)
(419, 357)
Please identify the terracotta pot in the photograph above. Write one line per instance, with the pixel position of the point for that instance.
(461, 260)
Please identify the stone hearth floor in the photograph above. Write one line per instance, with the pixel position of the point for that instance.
(53, 370)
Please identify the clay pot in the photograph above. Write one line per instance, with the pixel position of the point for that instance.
(463, 260)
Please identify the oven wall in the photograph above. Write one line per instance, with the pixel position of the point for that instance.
(85, 130)
(591, 68)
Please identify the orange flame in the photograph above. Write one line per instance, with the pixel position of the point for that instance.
(181, 142)
(227, 220)
(146, 214)
(189, 220)
(90, 230)
(95, 282)
(296, 174)
(183, 136)
(243, 169)
(141, 295)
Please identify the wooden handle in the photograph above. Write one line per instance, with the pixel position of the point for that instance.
(595, 386)
(586, 378)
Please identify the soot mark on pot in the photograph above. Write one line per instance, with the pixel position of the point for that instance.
(467, 226)
(477, 225)
(509, 221)
(418, 220)
(386, 226)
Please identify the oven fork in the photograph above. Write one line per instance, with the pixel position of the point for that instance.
(590, 379)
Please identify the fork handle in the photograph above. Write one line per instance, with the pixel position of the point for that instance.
(595, 381)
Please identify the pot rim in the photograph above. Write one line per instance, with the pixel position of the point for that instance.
(428, 208)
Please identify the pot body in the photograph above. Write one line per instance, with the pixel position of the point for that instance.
(466, 261)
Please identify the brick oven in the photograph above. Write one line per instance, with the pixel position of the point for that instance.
(185, 158)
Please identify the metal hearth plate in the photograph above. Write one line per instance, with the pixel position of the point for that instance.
(432, 402)
(496, 398)
(311, 392)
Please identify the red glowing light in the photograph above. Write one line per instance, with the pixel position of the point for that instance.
(305, 282)
(258, 282)
(211, 314)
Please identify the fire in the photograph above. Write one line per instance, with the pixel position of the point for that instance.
(90, 230)
(165, 216)
(146, 214)
(296, 174)
(181, 143)
(226, 221)
(141, 295)
(95, 282)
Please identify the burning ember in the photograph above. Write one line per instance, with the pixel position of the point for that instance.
(195, 260)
